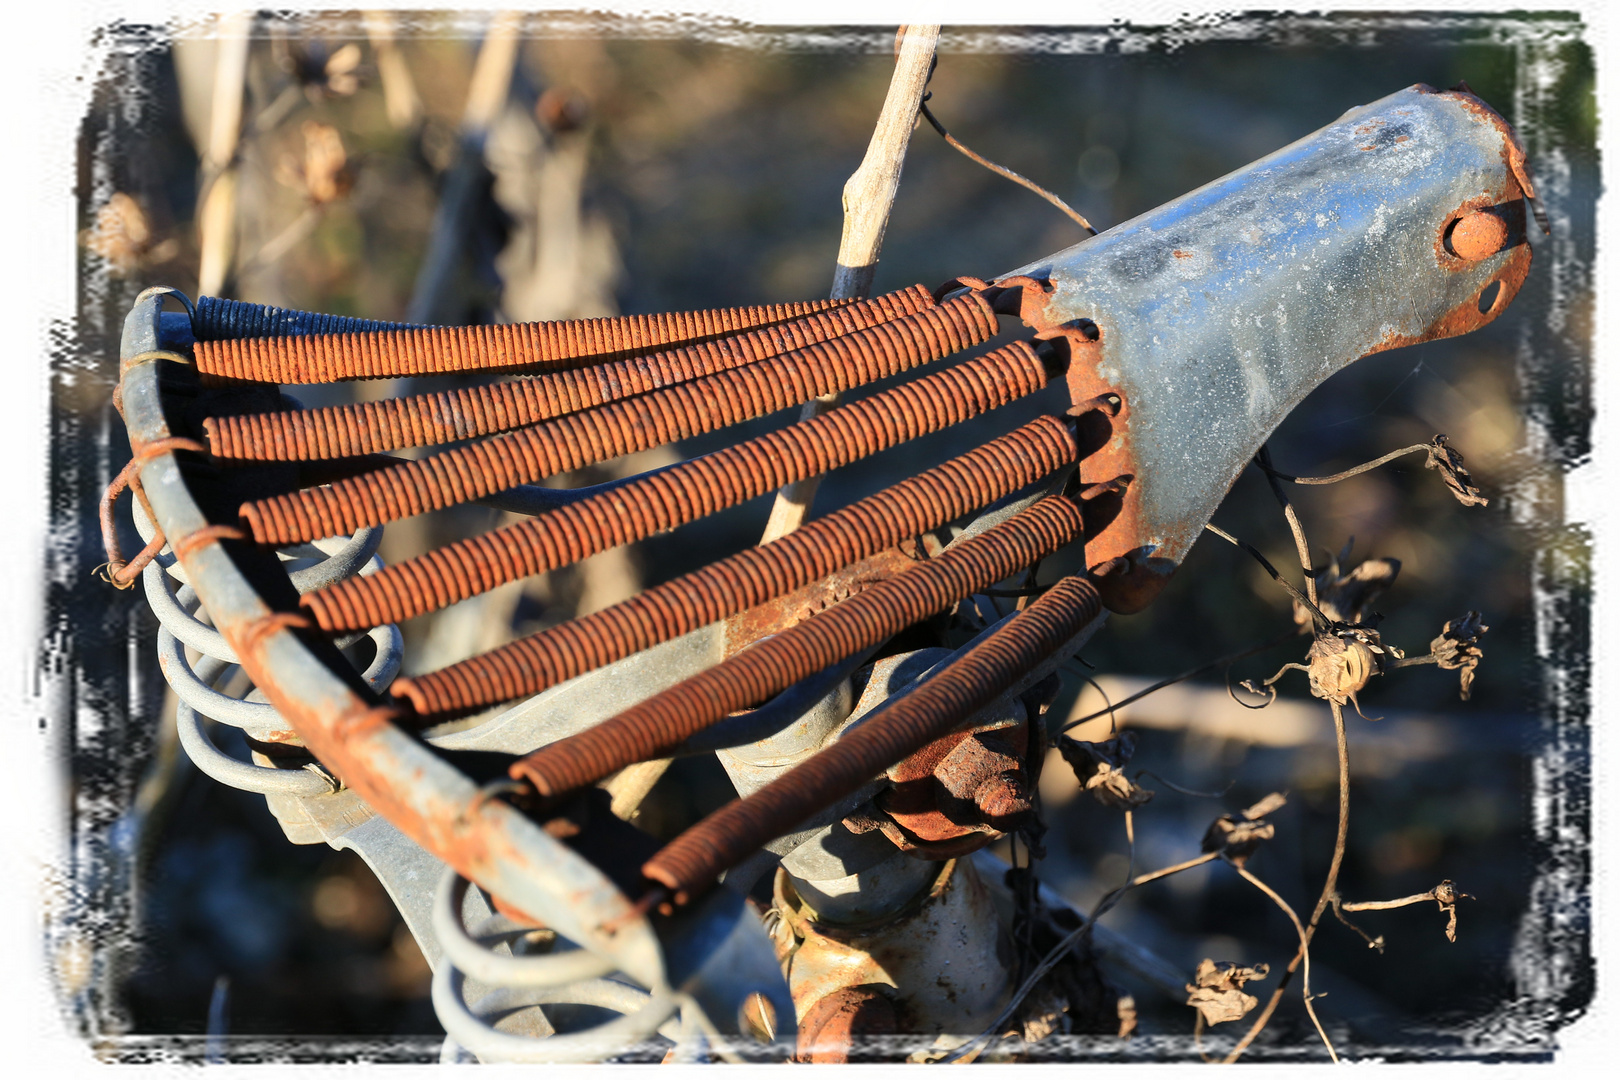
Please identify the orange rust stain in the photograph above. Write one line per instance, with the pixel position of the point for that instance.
(1466, 316)
(1180, 254)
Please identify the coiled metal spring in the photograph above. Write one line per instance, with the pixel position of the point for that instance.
(748, 578)
(311, 567)
(388, 351)
(678, 494)
(573, 441)
(430, 419)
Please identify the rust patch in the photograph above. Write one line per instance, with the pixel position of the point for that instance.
(830, 1027)
(1180, 254)
(1466, 316)
(777, 615)
(1140, 577)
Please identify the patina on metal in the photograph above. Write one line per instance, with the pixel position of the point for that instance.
(1214, 315)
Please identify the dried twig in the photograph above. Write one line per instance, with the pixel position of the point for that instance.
(1329, 887)
(1310, 604)
(868, 198)
(1441, 456)
(1263, 459)
(1002, 170)
(1445, 894)
(1304, 949)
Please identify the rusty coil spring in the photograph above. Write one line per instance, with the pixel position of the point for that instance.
(748, 578)
(660, 723)
(940, 705)
(324, 358)
(621, 427)
(680, 493)
(430, 419)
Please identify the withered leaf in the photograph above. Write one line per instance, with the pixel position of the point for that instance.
(1450, 464)
(1236, 838)
(1113, 788)
(1126, 1008)
(1219, 994)
(1457, 648)
(1346, 598)
(1100, 768)
(1447, 895)
(1275, 801)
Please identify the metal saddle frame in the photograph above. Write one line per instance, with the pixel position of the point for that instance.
(1183, 337)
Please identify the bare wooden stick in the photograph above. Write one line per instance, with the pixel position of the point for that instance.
(868, 198)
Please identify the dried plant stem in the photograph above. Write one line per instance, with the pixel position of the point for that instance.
(1001, 170)
(1272, 570)
(1348, 473)
(1263, 460)
(868, 198)
(1304, 951)
(1330, 888)
(1155, 875)
(1211, 666)
(1386, 905)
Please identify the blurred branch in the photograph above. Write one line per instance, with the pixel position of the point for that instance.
(399, 91)
(468, 177)
(216, 207)
(868, 198)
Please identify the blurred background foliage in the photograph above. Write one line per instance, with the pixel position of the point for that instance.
(628, 169)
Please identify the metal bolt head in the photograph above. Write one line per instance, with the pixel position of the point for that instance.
(1001, 799)
(1478, 235)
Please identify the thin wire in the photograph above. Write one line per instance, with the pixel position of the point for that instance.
(1212, 665)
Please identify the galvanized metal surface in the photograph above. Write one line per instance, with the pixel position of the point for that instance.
(1217, 313)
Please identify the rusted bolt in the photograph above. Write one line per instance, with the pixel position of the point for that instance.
(832, 1026)
(1001, 799)
(1477, 235)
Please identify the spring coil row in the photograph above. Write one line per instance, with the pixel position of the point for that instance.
(746, 579)
(654, 727)
(622, 427)
(680, 493)
(393, 353)
(430, 419)
(724, 838)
